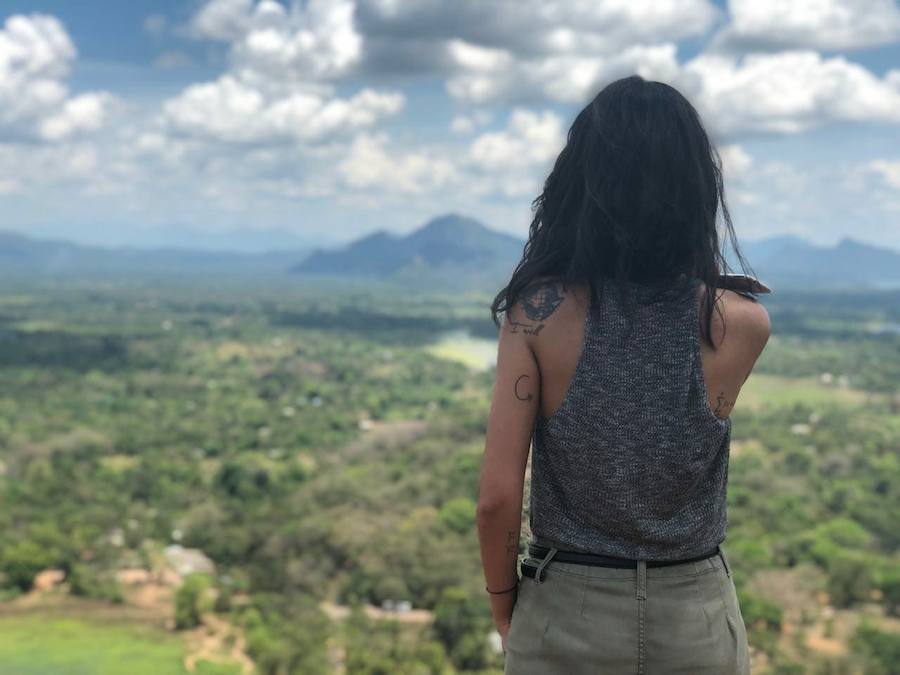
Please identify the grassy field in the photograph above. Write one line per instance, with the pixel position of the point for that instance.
(763, 391)
(37, 645)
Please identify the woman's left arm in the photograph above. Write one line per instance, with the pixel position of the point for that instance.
(514, 404)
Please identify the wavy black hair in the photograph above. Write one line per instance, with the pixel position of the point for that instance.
(633, 197)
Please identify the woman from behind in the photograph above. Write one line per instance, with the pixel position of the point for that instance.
(624, 342)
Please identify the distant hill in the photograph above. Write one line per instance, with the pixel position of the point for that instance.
(447, 247)
(791, 261)
(23, 255)
(456, 247)
(449, 251)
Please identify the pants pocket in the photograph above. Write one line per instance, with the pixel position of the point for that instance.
(525, 629)
(687, 629)
(736, 625)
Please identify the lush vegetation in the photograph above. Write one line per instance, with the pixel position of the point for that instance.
(322, 447)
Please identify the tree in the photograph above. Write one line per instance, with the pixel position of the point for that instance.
(21, 561)
(191, 601)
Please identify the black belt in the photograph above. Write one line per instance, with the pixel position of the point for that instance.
(529, 566)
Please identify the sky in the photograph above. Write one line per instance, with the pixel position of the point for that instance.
(253, 124)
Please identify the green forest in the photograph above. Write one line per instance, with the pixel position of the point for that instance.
(222, 479)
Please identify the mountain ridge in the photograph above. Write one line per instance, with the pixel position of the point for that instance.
(449, 244)
(449, 250)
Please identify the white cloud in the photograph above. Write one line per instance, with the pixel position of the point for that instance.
(224, 20)
(485, 75)
(510, 162)
(525, 51)
(231, 111)
(420, 30)
(35, 58)
(530, 139)
(888, 171)
(270, 44)
(490, 53)
(278, 84)
(816, 24)
(787, 92)
(735, 160)
(87, 112)
(736, 163)
(29, 166)
(466, 124)
(318, 42)
(370, 166)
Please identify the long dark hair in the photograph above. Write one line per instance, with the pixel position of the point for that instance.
(633, 197)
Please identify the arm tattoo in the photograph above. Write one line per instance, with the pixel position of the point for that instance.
(512, 543)
(539, 300)
(528, 396)
(721, 403)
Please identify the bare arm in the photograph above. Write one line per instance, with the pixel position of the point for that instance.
(514, 405)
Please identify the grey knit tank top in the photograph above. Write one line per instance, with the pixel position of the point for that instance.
(634, 463)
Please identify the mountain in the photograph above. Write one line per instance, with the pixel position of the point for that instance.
(448, 252)
(20, 254)
(449, 246)
(790, 261)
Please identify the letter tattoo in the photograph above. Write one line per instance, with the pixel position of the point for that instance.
(528, 396)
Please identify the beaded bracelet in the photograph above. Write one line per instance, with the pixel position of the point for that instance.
(499, 592)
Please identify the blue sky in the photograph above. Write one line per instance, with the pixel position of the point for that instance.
(256, 123)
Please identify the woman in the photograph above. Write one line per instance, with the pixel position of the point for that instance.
(614, 367)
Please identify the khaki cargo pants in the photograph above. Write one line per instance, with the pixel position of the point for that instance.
(576, 619)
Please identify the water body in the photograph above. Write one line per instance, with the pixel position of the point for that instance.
(478, 354)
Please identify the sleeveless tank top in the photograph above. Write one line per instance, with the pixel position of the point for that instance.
(634, 462)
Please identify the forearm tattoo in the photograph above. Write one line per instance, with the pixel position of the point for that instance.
(512, 542)
(539, 300)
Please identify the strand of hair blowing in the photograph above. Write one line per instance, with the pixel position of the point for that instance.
(634, 196)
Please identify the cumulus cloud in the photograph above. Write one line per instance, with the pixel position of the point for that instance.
(466, 124)
(888, 171)
(369, 165)
(490, 51)
(316, 40)
(815, 24)
(35, 58)
(29, 166)
(411, 35)
(233, 111)
(224, 20)
(735, 160)
(530, 139)
(84, 113)
(278, 85)
(510, 162)
(484, 75)
(788, 92)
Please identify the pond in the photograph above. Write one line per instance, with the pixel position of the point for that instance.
(478, 354)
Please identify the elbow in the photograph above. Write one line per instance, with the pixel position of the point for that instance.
(489, 507)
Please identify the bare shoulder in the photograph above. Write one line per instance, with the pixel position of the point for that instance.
(752, 315)
(749, 315)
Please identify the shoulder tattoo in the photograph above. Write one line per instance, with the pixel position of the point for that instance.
(539, 300)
